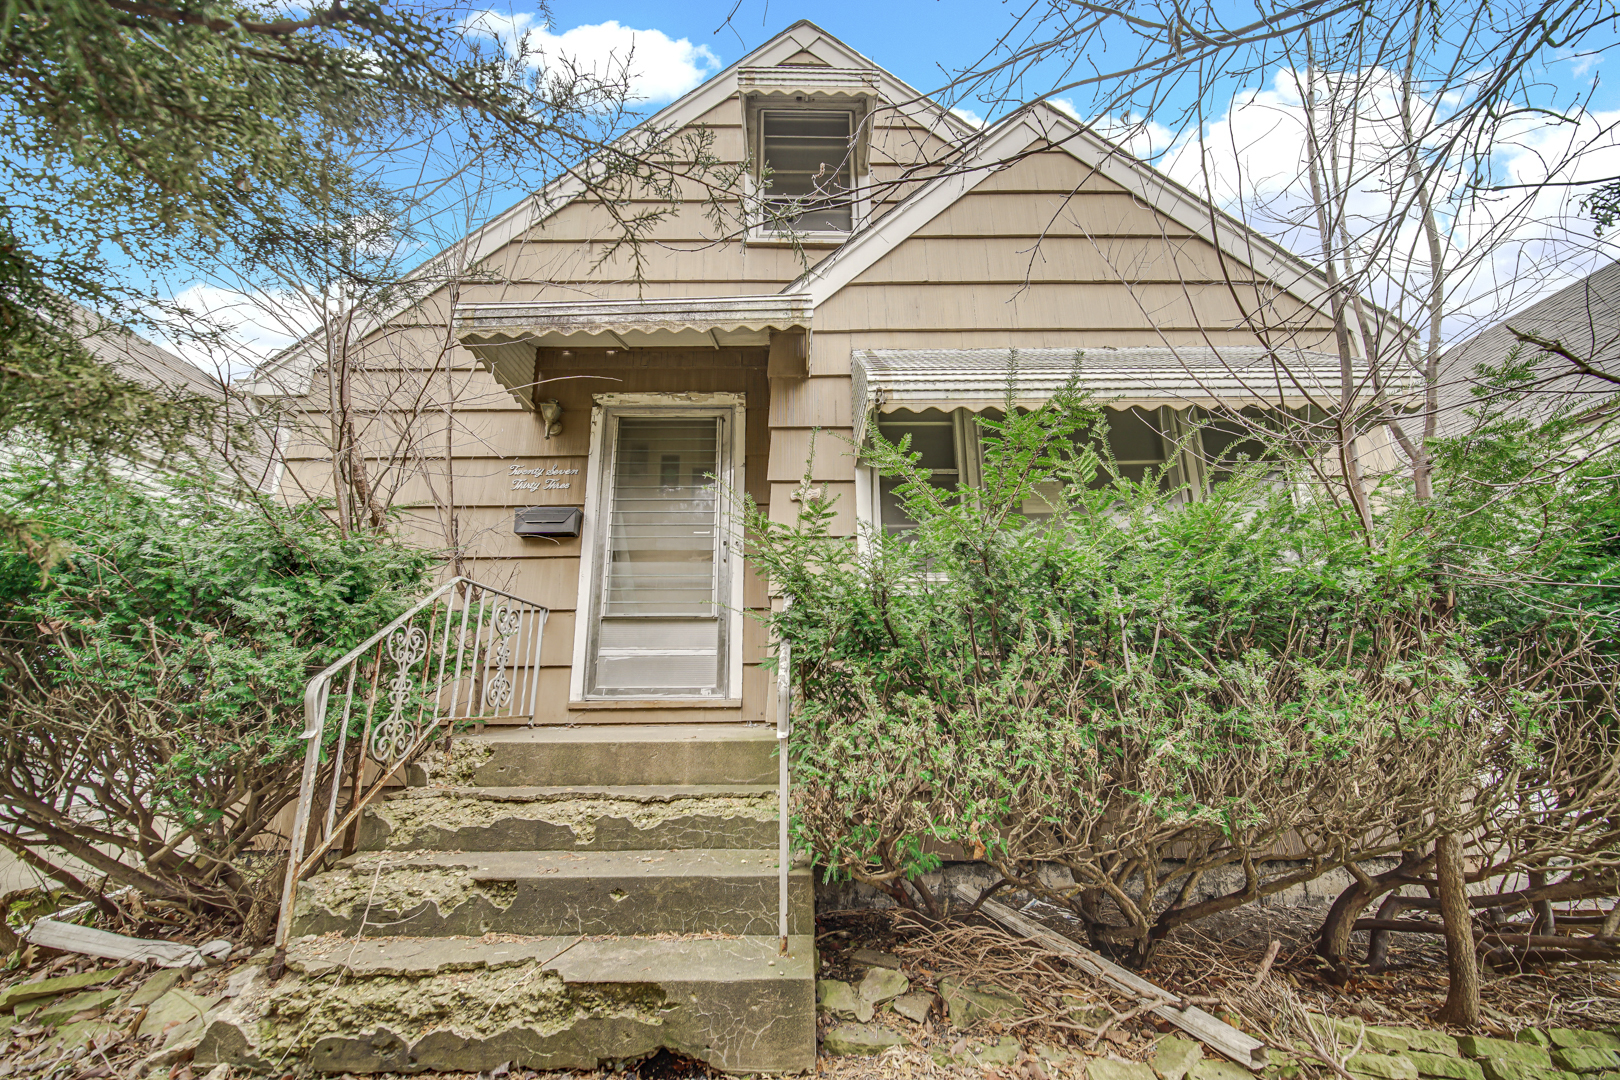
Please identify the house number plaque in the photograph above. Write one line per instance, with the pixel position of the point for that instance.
(540, 477)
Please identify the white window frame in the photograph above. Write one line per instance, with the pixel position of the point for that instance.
(593, 535)
(969, 456)
(860, 172)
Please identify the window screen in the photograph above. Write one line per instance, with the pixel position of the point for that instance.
(1139, 446)
(933, 435)
(1141, 441)
(810, 158)
(1227, 441)
(1135, 441)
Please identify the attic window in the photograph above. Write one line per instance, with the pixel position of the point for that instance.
(809, 156)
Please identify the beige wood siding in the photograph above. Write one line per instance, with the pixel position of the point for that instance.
(406, 455)
(1044, 254)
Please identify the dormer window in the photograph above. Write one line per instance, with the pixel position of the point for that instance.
(808, 169)
(808, 131)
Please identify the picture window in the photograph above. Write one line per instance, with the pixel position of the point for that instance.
(1141, 442)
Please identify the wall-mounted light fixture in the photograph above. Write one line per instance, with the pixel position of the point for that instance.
(551, 415)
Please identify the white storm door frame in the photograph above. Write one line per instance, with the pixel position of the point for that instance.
(608, 409)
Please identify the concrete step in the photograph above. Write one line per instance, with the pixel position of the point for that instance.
(579, 819)
(607, 755)
(437, 894)
(463, 1005)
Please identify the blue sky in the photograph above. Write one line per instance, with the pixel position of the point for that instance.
(912, 38)
(918, 40)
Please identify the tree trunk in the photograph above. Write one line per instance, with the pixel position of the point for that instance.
(1544, 920)
(1333, 940)
(1462, 994)
(9, 941)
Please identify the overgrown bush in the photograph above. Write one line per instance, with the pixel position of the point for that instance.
(1165, 699)
(150, 686)
(1525, 532)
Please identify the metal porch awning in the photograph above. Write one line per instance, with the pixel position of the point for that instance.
(980, 379)
(505, 334)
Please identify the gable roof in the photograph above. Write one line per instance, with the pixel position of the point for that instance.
(1037, 126)
(791, 46)
(802, 37)
(984, 152)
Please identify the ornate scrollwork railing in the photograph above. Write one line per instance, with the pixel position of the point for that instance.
(465, 652)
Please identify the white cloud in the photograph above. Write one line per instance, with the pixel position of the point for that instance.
(255, 326)
(969, 115)
(1137, 136)
(1501, 249)
(659, 68)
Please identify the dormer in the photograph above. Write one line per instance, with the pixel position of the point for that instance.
(809, 139)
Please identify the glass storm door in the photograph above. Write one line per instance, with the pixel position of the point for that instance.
(660, 611)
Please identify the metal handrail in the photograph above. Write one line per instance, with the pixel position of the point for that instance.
(477, 685)
(784, 728)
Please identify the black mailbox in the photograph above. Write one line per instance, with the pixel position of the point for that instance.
(556, 522)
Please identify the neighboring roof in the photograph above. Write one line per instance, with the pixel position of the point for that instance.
(1583, 317)
(141, 361)
(1232, 376)
(136, 358)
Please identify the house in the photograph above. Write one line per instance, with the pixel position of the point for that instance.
(1582, 318)
(931, 250)
(223, 452)
(571, 423)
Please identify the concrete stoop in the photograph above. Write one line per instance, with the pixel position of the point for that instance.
(553, 898)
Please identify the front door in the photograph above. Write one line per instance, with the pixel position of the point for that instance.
(661, 605)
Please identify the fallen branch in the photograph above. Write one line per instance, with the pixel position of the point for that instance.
(1241, 1048)
(1590, 947)
(1270, 958)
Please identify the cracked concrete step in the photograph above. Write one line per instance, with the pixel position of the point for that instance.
(611, 755)
(437, 894)
(455, 1004)
(579, 819)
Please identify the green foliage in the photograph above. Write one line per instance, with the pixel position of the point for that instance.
(55, 393)
(157, 676)
(1142, 690)
(1602, 205)
(165, 127)
(1528, 505)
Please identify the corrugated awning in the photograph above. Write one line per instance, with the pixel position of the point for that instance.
(626, 322)
(807, 80)
(504, 335)
(979, 379)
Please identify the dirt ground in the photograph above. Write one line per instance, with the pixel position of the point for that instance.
(1213, 964)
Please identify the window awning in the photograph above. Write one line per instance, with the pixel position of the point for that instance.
(977, 379)
(808, 81)
(632, 323)
(503, 335)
